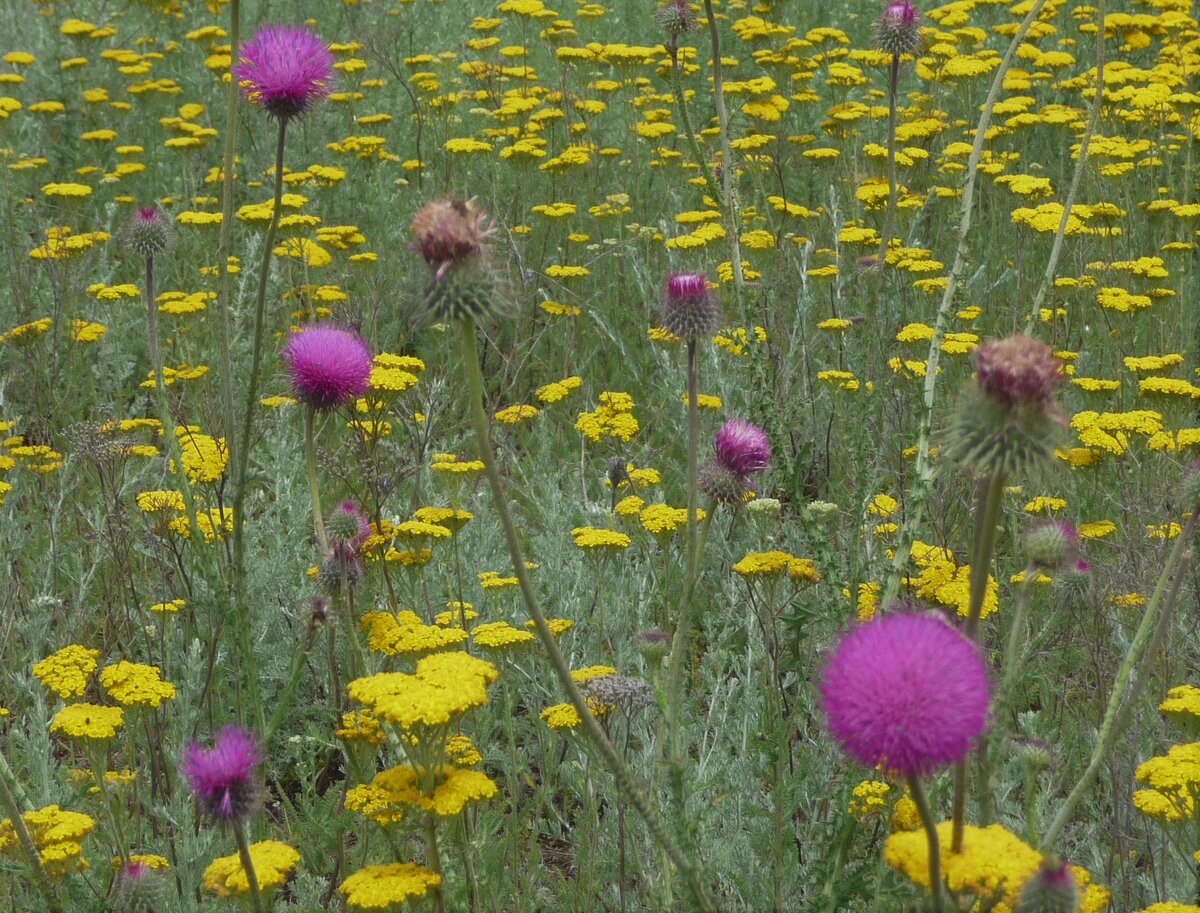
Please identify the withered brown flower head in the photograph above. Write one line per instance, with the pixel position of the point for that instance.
(449, 232)
(1019, 370)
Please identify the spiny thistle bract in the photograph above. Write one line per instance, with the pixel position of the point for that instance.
(1008, 420)
(722, 484)
(149, 233)
(676, 17)
(1051, 544)
(687, 309)
(452, 237)
(897, 31)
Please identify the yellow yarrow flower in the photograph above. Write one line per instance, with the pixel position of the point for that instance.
(273, 861)
(135, 684)
(776, 563)
(592, 538)
(384, 887)
(88, 721)
(66, 672)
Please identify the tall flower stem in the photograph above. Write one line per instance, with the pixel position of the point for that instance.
(225, 304)
(1128, 686)
(727, 195)
(242, 450)
(690, 132)
(987, 515)
(591, 728)
(289, 689)
(314, 486)
(924, 470)
(1016, 635)
(434, 859)
(889, 226)
(935, 853)
(11, 810)
(239, 835)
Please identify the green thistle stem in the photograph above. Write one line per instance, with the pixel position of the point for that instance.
(924, 470)
(591, 728)
(889, 227)
(242, 451)
(1016, 635)
(727, 194)
(225, 294)
(987, 515)
(931, 834)
(688, 131)
(239, 835)
(683, 625)
(289, 689)
(1127, 687)
(9, 788)
(314, 486)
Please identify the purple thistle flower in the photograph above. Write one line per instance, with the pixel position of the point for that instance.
(687, 309)
(225, 777)
(742, 448)
(284, 69)
(327, 366)
(908, 691)
(149, 232)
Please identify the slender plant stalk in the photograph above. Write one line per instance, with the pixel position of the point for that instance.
(434, 859)
(683, 625)
(12, 810)
(242, 450)
(924, 470)
(987, 515)
(1127, 687)
(889, 226)
(591, 728)
(931, 834)
(1076, 178)
(690, 132)
(1016, 635)
(289, 689)
(314, 485)
(730, 167)
(225, 294)
(239, 835)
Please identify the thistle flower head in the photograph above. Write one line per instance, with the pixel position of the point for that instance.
(149, 232)
(1051, 544)
(1018, 371)
(653, 645)
(896, 30)
(723, 485)
(907, 691)
(1051, 889)
(676, 17)
(224, 778)
(285, 70)
(452, 237)
(742, 447)
(348, 528)
(687, 309)
(327, 366)
(1008, 420)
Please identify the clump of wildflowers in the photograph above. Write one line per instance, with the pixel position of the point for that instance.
(285, 70)
(907, 691)
(327, 366)
(224, 778)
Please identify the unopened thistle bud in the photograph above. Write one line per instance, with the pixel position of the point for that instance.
(676, 17)
(1008, 420)
(687, 309)
(451, 236)
(723, 485)
(149, 233)
(653, 645)
(1051, 889)
(897, 31)
(1051, 545)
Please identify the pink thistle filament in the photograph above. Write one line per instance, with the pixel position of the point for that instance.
(284, 69)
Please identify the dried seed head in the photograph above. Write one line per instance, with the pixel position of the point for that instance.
(452, 237)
